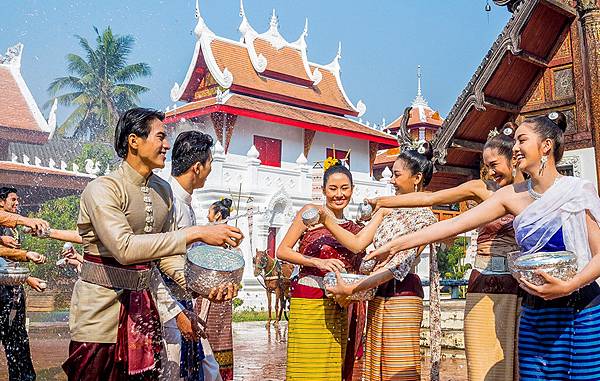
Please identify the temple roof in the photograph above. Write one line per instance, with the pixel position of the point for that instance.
(20, 118)
(421, 115)
(275, 112)
(501, 85)
(265, 66)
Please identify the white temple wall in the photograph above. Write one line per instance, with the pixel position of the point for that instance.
(583, 162)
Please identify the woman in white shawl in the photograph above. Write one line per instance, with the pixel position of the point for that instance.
(559, 333)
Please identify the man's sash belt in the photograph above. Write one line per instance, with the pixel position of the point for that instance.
(107, 272)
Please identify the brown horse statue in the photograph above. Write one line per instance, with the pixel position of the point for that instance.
(276, 277)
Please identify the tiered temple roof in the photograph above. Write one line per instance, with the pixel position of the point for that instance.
(263, 76)
(22, 122)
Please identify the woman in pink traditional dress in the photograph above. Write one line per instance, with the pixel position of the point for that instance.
(324, 339)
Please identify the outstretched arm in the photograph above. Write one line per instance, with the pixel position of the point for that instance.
(286, 251)
(353, 242)
(471, 190)
(485, 212)
(65, 235)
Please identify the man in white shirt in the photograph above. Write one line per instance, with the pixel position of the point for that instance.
(191, 165)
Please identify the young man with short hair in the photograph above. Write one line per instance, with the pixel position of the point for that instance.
(126, 222)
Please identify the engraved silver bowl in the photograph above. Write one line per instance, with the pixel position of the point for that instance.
(12, 275)
(559, 264)
(329, 280)
(310, 217)
(367, 266)
(207, 267)
(365, 211)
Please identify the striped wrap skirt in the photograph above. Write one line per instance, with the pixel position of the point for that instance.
(317, 337)
(393, 331)
(560, 339)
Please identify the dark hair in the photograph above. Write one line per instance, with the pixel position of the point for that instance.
(134, 121)
(419, 162)
(5, 191)
(189, 148)
(504, 141)
(553, 127)
(223, 206)
(337, 168)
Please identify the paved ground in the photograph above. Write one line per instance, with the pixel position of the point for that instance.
(260, 354)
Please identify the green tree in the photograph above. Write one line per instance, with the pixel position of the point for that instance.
(61, 213)
(100, 85)
(102, 153)
(449, 261)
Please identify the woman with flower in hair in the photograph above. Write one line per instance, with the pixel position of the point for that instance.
(491, 309)
(322, 343)
(395, 314)
(559, 335)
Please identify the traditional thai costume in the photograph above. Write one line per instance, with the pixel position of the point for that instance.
(126, 221)
(492, 305)
(183, 359)
(560, 339)
(394, 319)
(220, 336)
(324, 339)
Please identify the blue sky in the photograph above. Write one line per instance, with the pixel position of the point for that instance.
(382, 41)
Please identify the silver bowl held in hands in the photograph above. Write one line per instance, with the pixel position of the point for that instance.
(12, 275)
(310, 217)
(329, 280)
(367, 266)
(559, 264)
(365, 211)
(207, 267)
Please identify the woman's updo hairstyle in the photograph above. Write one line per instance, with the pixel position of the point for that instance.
(502, 140)
(553, 127)
(336, 167)
(419, 160)
(223, 206)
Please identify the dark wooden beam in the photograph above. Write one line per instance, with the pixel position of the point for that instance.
(499, 104)
(533, 59)
(463, 171)
(467, 145)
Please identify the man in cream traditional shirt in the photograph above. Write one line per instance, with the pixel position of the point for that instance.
(126, 221)
(191, 164)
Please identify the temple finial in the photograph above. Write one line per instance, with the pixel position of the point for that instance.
(339, 52)
(419, 100)
(274, 22)
(197, 13)
(306, 26)
(242, 12)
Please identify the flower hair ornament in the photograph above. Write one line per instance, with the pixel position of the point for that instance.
(418, 145)
(507, 131)
(330, 162)
(553, 116)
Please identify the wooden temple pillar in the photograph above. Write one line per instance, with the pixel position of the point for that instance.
(589, 19)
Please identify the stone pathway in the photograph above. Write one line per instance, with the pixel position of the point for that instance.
(260, 354)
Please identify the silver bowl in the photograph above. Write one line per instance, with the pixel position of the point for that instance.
(365, 211)
(367, 266)
(310, 217)
(12, 275)
(329, 280)
(559, 264)
(207, 267)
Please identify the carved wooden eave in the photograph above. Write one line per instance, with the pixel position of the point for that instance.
(508, 47)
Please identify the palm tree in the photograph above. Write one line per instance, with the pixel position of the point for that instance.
(100, 86)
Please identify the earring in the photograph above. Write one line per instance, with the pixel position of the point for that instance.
(543, 162)
(514, 172)
(416, 188)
